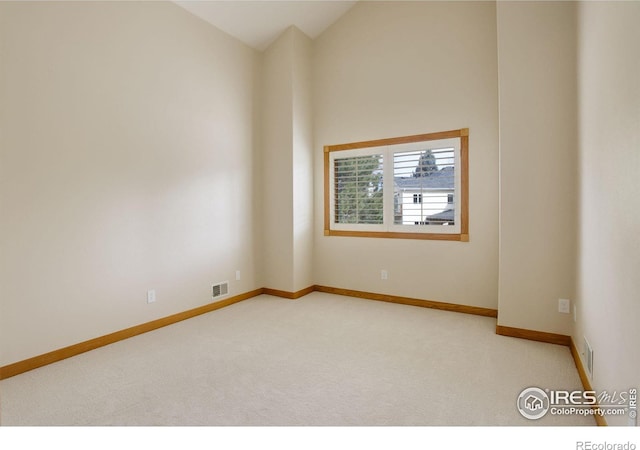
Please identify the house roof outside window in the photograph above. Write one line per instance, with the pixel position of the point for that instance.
(442, 179)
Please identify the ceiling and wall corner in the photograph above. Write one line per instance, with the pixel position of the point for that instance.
(259, 23)
(283, 32)
(287, 163)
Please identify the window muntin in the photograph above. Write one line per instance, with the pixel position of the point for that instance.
(429, 198)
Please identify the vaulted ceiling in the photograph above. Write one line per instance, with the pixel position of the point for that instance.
(258, 23)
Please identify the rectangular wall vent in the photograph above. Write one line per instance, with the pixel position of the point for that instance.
(220, 289)
(588, 357)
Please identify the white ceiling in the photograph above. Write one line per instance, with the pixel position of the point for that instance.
(259, 23)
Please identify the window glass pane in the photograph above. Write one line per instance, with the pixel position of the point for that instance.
(424, 187)
(358, 190)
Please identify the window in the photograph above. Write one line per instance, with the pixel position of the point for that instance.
(412, 187)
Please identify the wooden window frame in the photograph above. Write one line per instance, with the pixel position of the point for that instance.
(462, 164)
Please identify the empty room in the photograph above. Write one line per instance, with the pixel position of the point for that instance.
(340, 213)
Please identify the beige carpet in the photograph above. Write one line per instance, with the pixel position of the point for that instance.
(319, 360)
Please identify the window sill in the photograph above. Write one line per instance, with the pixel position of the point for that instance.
(393, 235)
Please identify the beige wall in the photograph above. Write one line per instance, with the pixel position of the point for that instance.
(390, 69)
(287, 163)
(538, 151)
(303, 225)
(609, 165)
(277, 163)
(126, 162)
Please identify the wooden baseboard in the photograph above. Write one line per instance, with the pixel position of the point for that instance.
(76, 349)
(288, 294)
(73, 350)
(532, 335)
(19, 367)
(559, 339)
(487, 312)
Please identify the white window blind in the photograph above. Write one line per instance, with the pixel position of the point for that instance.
(358, 189)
